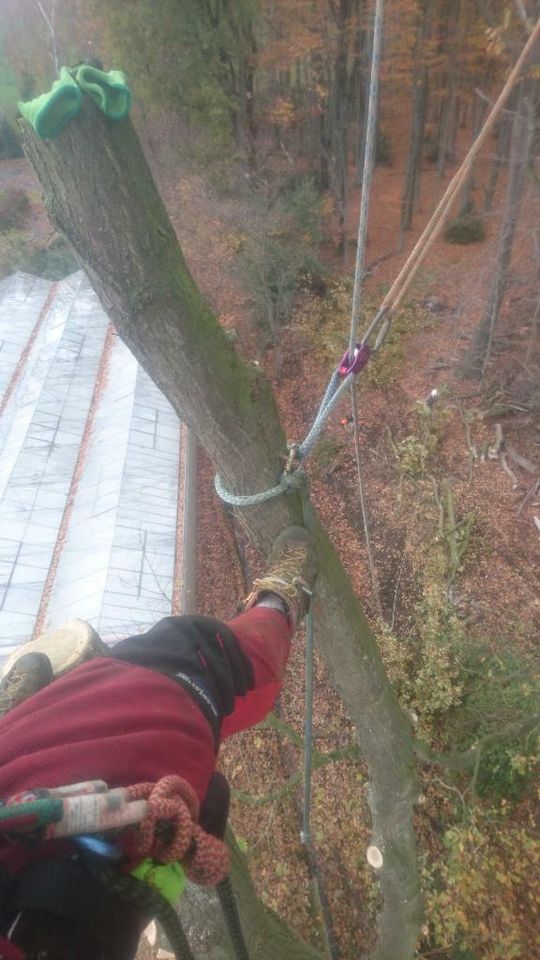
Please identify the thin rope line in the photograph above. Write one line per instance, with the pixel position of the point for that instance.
(361, 491)
(369, 163)
(305, 833)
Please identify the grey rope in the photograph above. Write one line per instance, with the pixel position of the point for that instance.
(292, 479)
(369, 157)
(338, 382)
(331, 397)
(287, 483)
(305, 833)
(337, 385)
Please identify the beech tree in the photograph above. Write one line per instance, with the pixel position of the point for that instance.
(99, 193)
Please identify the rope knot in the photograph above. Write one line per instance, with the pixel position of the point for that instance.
(297, 480)
(170, 831)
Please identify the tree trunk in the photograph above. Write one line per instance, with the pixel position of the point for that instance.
(360, 85)
(475, 360)
(478, 114)
(500, 156)
(339, 115)
(100, 194)
(420, 95)
(449, 112)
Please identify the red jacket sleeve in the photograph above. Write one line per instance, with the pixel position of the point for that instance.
(264, 635)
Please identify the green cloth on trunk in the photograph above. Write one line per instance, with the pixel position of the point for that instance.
(49, 113)
(108, 90)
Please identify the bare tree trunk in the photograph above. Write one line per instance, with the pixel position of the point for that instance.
(499, 157)
(339, 116)
(450, 104)
(478, 114)
(475, 360)
(360, 84)
(100, 194)
(420, 96)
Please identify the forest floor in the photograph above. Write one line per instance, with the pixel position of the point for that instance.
(493, 591)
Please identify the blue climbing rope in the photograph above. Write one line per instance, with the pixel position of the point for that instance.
(292, 477)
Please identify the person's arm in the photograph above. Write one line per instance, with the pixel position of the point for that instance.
(233, 670)
(264, 636)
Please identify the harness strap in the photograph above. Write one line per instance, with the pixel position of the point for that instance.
(67, 889)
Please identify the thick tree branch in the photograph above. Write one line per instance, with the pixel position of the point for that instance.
(100, 194)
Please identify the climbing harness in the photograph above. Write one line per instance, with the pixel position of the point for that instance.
(165, 814)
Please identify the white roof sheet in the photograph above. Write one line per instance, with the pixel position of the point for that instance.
(90, 514)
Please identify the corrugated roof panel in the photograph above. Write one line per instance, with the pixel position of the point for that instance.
(89, 469)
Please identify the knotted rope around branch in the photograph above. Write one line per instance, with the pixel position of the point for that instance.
(172, 801)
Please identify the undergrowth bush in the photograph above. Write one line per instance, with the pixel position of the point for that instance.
(414, 451)
(500, 693)
(408, 319)
(464, 230)
(328, 323)
(481, 900)
(14, 207)
(10, 147)
(412, 454)
(279, 251)
(52, 263)
(424, 666)
(13, 247)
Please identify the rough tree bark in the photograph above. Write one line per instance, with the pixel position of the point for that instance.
(100, 194)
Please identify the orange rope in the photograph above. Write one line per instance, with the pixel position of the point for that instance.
(173, 800)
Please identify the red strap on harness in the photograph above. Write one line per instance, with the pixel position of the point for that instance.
(8, 950)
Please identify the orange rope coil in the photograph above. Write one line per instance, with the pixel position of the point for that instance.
(173, 800)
